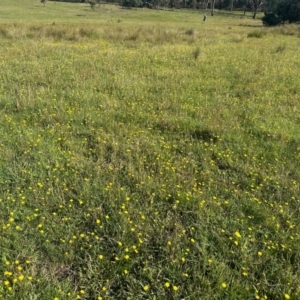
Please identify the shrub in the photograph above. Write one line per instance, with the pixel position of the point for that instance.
(270, 19)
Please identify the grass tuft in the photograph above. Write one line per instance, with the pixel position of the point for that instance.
(256, 34)
(191, 32)
(197, 53)
(281, 48)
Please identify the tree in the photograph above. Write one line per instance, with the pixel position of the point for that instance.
(132, 3)
(289, 10)
(256, 4)
(212, 3)
(270, 5)
(286, 11)
(158, 3)
(231, 5)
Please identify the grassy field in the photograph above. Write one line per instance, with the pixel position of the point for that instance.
(147, 155)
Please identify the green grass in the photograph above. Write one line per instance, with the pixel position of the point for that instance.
(146, 155)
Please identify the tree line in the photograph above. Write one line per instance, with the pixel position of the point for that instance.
(275, 11)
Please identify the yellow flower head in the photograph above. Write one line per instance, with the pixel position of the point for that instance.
(237, 234)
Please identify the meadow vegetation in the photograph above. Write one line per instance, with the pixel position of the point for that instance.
(147, 155)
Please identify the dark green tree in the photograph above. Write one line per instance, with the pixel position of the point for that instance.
(288, 11)
(270, 5)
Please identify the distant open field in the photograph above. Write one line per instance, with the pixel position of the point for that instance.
(145, 154)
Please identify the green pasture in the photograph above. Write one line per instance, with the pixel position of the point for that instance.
(145, 154)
